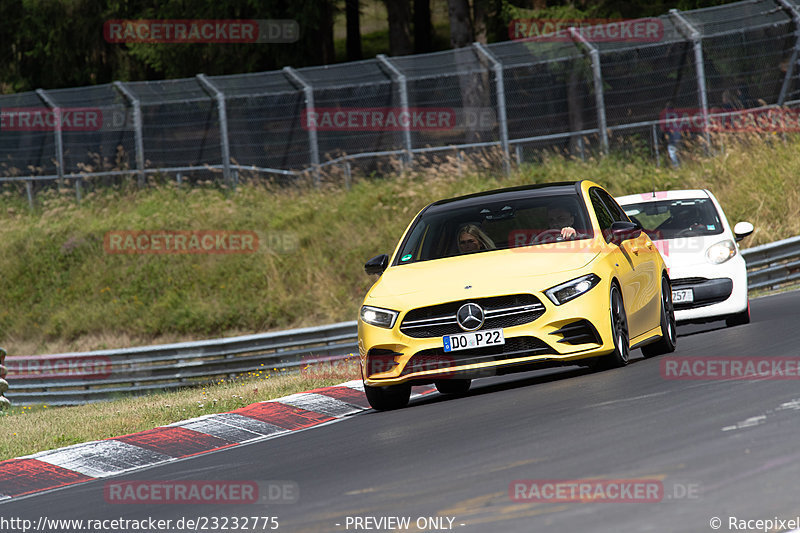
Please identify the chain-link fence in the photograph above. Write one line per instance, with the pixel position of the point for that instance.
(587, 90)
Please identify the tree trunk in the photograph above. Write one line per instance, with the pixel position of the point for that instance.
(480, 11)
(423, 29)
(399, 27)
(575, 104)
(461, 33)
(352, 16)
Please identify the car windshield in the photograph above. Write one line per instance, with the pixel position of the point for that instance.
(475, 226)
(670, 219)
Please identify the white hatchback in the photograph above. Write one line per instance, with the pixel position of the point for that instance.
(709, 275)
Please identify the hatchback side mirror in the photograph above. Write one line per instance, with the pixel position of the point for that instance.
(377, 264)
(742, 230)
(622, 231)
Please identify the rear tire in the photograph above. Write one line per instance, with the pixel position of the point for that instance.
(739, 319)
(669, 337)
(453, 386)
(619, 332)
(388, 398)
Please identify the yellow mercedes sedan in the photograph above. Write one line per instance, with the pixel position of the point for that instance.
(507, 281)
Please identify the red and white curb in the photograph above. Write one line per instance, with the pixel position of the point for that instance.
(98, 459)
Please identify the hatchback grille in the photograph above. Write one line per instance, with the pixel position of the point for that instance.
(500, 312)
(514, 347)
(680, 282)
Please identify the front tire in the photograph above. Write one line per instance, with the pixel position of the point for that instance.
(619, 332)
(739, 319)
(669, 337)
(453, 386)
(388, 398)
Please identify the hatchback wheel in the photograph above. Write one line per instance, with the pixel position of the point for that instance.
(387, 398)
(669, 338)
(453, 386)
(619, 332)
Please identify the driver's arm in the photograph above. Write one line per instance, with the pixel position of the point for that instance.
(568, 232)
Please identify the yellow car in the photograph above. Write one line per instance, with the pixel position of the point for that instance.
(507, 281)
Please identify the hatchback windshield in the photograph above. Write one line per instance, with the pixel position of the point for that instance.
(670, 219)
(475, 226)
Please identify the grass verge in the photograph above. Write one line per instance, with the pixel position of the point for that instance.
(27, 430)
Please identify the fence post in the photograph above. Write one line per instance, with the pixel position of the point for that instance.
(399, 78)
(597, 74)
(59, 141)
(347, 175)
(692, 33)
(29, 191)
(313, 142)
(497, 66)
(655, 146)
(4, 403)
(137, 125)
(795, 13)
(223, 127)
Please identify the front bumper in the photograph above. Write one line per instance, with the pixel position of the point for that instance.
(719, 290)
(561, 335)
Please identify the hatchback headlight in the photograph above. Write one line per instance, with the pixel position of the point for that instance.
(572, 289)
(383, 318)
(720, 252)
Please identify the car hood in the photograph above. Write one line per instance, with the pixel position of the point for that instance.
(682, 254)
(516, 270)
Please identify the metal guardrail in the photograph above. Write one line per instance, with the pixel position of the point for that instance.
(83, 377)
(171, 366)
(774, 264)
(4, 403)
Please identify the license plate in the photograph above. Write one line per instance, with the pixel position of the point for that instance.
(682, 295)
(474, 339)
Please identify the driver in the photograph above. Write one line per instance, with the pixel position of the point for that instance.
(560, 218)
(471, 238)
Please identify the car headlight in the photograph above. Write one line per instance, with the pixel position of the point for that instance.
(572, 289)
(720, 252)
(376, 316)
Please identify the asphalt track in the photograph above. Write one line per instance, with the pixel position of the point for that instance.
(718, 448)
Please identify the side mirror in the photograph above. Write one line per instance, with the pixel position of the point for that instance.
(377, 264)
(622, 231)
(742, 230)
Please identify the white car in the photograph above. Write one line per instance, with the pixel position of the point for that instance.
(709, 275)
